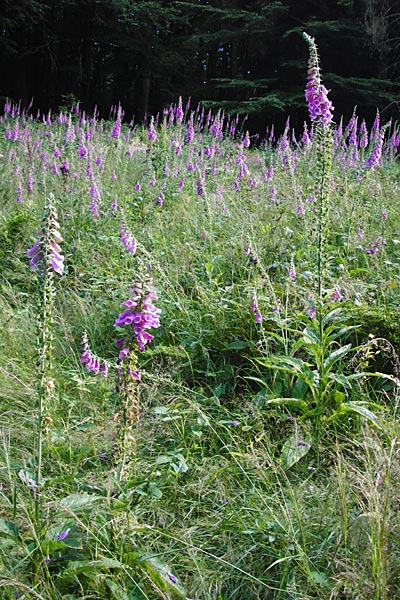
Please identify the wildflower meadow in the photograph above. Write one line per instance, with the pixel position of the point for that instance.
(199, 374)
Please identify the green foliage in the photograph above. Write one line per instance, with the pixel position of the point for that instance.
(265, 462)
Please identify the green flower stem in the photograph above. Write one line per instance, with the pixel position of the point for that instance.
(45, 383)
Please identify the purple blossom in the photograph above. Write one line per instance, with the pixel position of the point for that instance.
(375, 158)
(254, 308)
(319, 105)
(375, 246)
(95, 198)
(47, 247)
(63, 535)
(35, 254)
(64, 168)
(145, 317)
(116, 130)
(312, 310)
(190, 130)
(127, 238)
(152, 134)
(82, 151)
(337, 295)
(90, 360)
(114, 206)
(20, 196)
(179, 111)
(363, 143)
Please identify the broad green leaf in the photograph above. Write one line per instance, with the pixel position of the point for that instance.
(116, 590)
(161, 574)
(288, 402)
(79, 502)
(331, 316)
(293, 450)
(237, 345)
(300, 388)
(362, 410)
(163, 460)
(9, 529)
(336, 355)
(342, 379)
(310, 336)
(319, 578)
(89, 566)
(342, 331)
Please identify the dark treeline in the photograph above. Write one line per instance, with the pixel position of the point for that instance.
(247, 56)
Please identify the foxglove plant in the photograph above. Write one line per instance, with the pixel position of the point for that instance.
(45, 258)
(320, 109)
(138, 317)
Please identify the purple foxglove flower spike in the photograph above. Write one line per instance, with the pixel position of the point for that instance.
(152, 134)
(319, 105)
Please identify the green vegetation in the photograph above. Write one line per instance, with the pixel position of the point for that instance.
(260, 447)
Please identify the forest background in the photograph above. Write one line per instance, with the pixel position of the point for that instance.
(244, 56)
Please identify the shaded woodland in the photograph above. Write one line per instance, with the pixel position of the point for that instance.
(246, 56)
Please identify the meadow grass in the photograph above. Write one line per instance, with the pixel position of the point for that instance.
(264, 460)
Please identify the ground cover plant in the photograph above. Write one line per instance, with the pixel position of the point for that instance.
(199, 356)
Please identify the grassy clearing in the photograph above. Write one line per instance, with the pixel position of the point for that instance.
(265, 461)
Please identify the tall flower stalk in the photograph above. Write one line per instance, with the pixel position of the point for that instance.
(139, 315)
(46, 259)
(320, 110)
